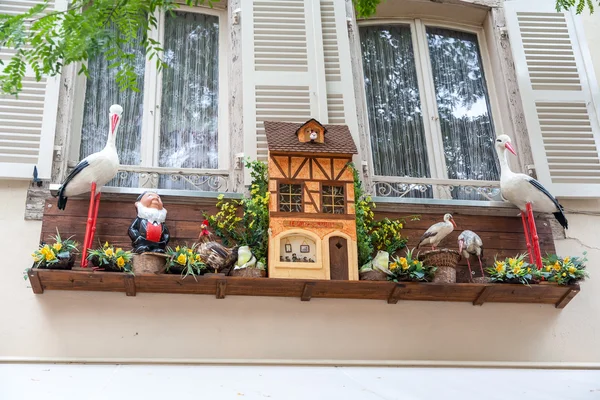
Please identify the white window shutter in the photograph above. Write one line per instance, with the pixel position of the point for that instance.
(28, 122)
(341, 107)
(556, 84)
(283, 72)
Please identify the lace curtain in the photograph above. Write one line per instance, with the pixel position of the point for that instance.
(190, 96)
(396, 123)
(101, 92)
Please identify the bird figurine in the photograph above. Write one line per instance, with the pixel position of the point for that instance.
(437, 232)
(470, 244)
(214, 254)
(93, 172)
(205, 235)
(528, 195)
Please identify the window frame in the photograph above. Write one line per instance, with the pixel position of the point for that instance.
(432, 131)
(150, 135)
(344, 207)
(290, 182)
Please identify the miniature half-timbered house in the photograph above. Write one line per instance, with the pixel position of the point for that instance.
(313, 227)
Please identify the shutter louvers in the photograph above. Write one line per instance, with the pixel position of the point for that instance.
(28, 122)
(282, 67)
(557, 97)
(341, 107)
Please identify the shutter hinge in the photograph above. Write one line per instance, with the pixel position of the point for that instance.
(236, 16)
(503, 33)
(531, 170)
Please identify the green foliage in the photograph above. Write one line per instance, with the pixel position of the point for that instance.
(49, 254)
(46, 40)
(386, 235)
(252, 228)
(512, 270)
(108, 256)
(364, 220)
(365, 8)
(564, 271)
(409, 268)
(187, 259)
(579, 5)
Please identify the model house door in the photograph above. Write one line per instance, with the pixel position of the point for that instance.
(338, 258)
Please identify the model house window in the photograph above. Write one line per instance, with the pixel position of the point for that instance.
(333, 199)
(428, 104)
(174, 121)
(290, 197)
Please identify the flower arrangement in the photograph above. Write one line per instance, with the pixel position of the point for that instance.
(185, 260)
(58, 255)
(110, 258)
(564, 271)
(373, 236)
(513, 270)
(252, 227)
(409, 268)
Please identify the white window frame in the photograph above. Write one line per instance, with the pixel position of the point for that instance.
(150, 136)
(432, 126)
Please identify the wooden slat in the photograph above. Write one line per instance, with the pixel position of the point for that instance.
(129, 282)
(544, 293)
(483, 295)
(36, 284)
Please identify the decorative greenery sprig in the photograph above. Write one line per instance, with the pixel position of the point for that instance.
(512, 270)
(409, 268)
(108, 256)
(186, 258)
(252, 228)
(386, 235)
(49, 254)
(564, 271)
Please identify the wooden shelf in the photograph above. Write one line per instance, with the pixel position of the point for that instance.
(221, 286)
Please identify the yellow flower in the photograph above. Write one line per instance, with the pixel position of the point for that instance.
(119, 250)
(45, 250)
(500, 267)
(566, 260)
(511, 261)
(556, 266)
(36, 257)
(198, 258)
(177, 248)
(520, 264)
(50, 256)
(189, 251)
(106, 245)
(57, 246)
(516, 269)
(182, 259)
(109, 252)
(572, 270)
(415, 262)
(564, 274)
(403, 263)
(120, 262)
(548, 268)
(528, 269)
(393, 266)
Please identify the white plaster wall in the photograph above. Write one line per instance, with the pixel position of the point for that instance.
(99, 326)
(95, 326)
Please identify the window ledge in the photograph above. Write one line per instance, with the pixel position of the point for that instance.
(221, 286)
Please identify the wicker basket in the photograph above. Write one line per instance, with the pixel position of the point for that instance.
(149, 263)
(249, 273)
(373, 276)
(445, 260)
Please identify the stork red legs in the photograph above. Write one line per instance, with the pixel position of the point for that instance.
(90, 229)
(533, 246)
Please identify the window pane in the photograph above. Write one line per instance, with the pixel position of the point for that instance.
(102, 92)
(333, 199)
(190, 94)
(290, 198)
(464, 106)
(394, 107)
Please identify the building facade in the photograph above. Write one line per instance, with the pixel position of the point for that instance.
(423, 87)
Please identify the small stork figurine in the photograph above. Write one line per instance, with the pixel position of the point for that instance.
(93, 172)
(528, 195)
(437, 232)
(469, 243)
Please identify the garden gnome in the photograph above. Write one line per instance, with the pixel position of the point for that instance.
(148, 231)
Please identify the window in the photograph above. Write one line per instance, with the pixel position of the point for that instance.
(290, 197)
(176, 121)
(428, 107)
(333, 199)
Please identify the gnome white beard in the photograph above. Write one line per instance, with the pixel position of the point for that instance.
(151, 214)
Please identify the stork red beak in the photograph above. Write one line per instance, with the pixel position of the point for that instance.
(453, 223)
(113, 123)
(510, 148)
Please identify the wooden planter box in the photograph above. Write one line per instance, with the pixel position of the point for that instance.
(220, 286)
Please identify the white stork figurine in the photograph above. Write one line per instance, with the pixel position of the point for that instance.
(527, 194)
(470, 244)
(93, 172)
(437, 232)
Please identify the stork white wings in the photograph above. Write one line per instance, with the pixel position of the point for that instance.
(27, 123)
(556, 86)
